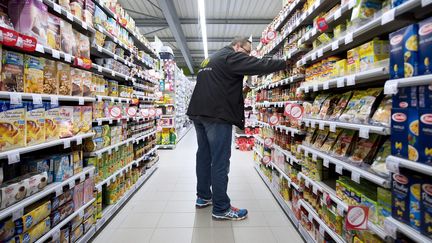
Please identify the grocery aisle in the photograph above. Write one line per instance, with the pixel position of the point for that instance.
(163, 209)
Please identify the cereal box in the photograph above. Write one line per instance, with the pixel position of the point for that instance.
(397, 54)
(88, 190)
(33, 74)
(64, 78)
(425, 96)
(66, 128)
(12, 126)
(425, 42)
(78, 196)
(12, 78)
(77, 78)
(426, 206)
(425, 136)
(35, 120)
(52, 121)
(413, 134)
(399, 131)
(50, 81)
(410, 41)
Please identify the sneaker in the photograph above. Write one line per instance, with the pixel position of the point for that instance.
(232, 214)
(202, 203)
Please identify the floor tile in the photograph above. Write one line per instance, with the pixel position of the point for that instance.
(213, 235)
(254, 235)
(180, 207)
(254, 219)
(282, 234)
(149, 206)
(169, 220)
(141, 220)
(171, 235)
(131, 235)
(205, 220)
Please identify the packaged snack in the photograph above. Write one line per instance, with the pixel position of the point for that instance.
(12, 126)
(89, 9)
(341, 105)
(35, 232)
(62, 167)
(37, 166)
(52, 121)
(328, 107)
(372, 52)
(64, 234)
(33, 215)
(399, 131)
(66, 210)
(76, 221)
(76, 120)
(88, 223)
(353, 61)
(425, 42)
(13, 191)
(379, 163)
(382, 115)
(53, 32)
(33, 74)
(365, 9)
(64, 78)
(91, 145)
(65, 4)
(36, 181)
(83, 45)
(316, 106)
(364, 149)
(76, 233)
(88, 190)
(76, 158)
(12, 78)
(425, 136)
(330, 141)
(66, 127)
(68, 41)
(320, 138)
(426, 209)
(87, 88)
(384, 205)
(76, 8)
(35, 123)
(343, 145)
(78, 197)
(360, 106)
(62, 199)
(50, 78)
(76, 77)
(7, 229)
(413, 134)
(86, 119)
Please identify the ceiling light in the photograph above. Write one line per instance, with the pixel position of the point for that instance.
(202, 20)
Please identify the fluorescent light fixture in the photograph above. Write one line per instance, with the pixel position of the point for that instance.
(202, 20)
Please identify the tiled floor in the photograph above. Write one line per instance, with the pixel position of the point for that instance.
(163, 210)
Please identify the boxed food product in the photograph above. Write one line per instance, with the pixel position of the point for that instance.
(353, 61)
(88, 223)
(68, 41)
(66, 127)
(86, 119)
(38, 165)
(343, 145)
(87, 88)
(76, 158)
(78, 196)
(66, 210)
(64, 78)
(339, 69)
(413, 134)
(76, 233)
(425, 136)
(76, 120)
(35, 123)
(406, 97)
(365, 149)
(33, 215)
(50, 80)
(56, 202)
(425, 96)
(62, 167)
(410, 42)
(425, 42)
(89, 9)
(12, 192)
(399, 131)
(76, 8)
(36, 181)
(89, 211)
(83, 45)
(397, 54)
(12, 78)
(52, 121)
(35, 232)
(384, 205)
(91, 145)
(53, 32)
(7, 229)
(426, 208)
(372, 52)
(76, 221)
(365, 9)
(33, 74)
(316, 106)
(88, 190)
(12, 126)
(64, 234)
(76, 77)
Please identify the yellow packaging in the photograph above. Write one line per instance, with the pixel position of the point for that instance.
(52, 121)
(338, 30)
(35, 215)
(86, 119)
(372, 52)
(325, 37)
(12, 126)
(33, 74)
(66, 125)
(353, 61)
(50, 82)
(64, 78)
(35, 232)
(76, 120)
(339, 68)
(35, 123)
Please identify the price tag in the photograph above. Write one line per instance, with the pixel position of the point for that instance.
(320, 52)
(100, 69)
(116, 149)
(81, 101)
(54, 100)
(351, 80)
(84, 25)
(306, 89)
(321, 230)
(109, 151)
(115, 57)
(337, 13)
(313, 124)
(332, 127)
(390, 88)
(40, 48)
(326, 163)
(314, 56)
(17, 214)
(113, 73)
(71, 183)
(317, 3)
(364, 132)
(307, 123)
(339, 169)
(99, 122)
(314, 157)
(55, 54)
(99, 155)
(110, 121)
(99, 48)
(79, 140)
(13, 157)
(315, 87)
(67, 57)
(15, 98)
(351, 4)
(82, 177)
(69, 15)
(426, 2)
(392, 166)
(59, 191)
(325, 85)
(57, 8)
(340, 210)
(112, 99)
(66, 143)
(321, 125)
(81, 213)
(335, 45)
(388, 16)
(100, 28)
(115, 40)
(306, 153)
(340, 82)
(314, 31)
(355, 177)
(37, 99)
(99, 189)
(390, 228)
(348, 38)
(310, 217)
(314, 189)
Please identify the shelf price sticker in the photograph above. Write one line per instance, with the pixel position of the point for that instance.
(355, 177)
(13, 157)
(388, 17)
(40, 48)
(357, 218)
(67, 57)
(390, 228)
(37, 99)
(69, 15)
(100, 69)
(54, 100)
(364, 132)
(314, 189)
(340, 82)
(66, 143)
(351, 80)
(315, 87)
(321, 125)
(392, 165)
(59, 191)
(314, 157)
(339, 169)
(71, 184)
(79, 140)
(325, 85)
(337, 14)
(81, 100)
(314, 56)
(348, 38)
(57, 8)
(390, 88)
(18, 214)
(320, 52)
(55, 54)
(340, 210)
(310, 217)
(332, 127)
(15, 98)
(335, 45)
(351, 4)
(84, 25)
(321, 230)
(326, 163)
(313, 124)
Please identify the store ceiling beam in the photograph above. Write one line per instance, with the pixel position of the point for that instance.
(172, 19)
(152, 22)
(209, 39)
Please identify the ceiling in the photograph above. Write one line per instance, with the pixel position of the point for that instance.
(225, 19)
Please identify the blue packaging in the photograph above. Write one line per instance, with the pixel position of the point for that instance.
(410, 48)
(413, 134)
(396, 3)
(425, 136)
(399, 132)
(425, 43)
(426, 212)
(406, 97)
(396, 54)
(62, 167)
(425, 96)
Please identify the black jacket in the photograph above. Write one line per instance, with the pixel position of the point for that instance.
(218, 91)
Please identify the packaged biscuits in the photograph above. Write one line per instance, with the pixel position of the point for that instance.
(12, 126)
(64, 78)
(12, 78)
(33, 215)
(66, 125)
(33, 74)
(52, 121)
(50, 80)
(35, 123)
(77, 77)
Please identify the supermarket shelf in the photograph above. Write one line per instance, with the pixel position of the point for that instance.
(238, 135)
(258, 152)
(123, 170)
(258, 139)
(56, 187)
(113, 99)
(391, 86)
(110, 211)
(370, 75)
(396, 226)
(56, 230)
(286, 176)
(145, 98)
(40, 97)
(365, 129)
(284, 18)
(106, 52)
(13, 155)
(113, 38)
(68, 15)
(165, 105)
(111, 73)
(285, 207)
(277, 103)
(285, 81)
(305, 234)
(166, 146)
(394, 163)
(143, 137)
(289, 130)
(87, 236)
(296, 51)
(322, 224)
(292, 158)
(354, 169)
(56, 54)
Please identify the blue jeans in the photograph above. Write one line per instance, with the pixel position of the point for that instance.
(212, 162)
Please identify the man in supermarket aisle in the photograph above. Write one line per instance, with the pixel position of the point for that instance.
(217, 103)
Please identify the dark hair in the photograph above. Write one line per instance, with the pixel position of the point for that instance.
(239, 40)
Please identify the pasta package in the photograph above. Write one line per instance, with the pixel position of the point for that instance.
(35, 123)
(399, 131)
(425, 136)
(50, 80)
(12, 126)
(413, 134)
(33, 74)
(425, 42)
(410, 41)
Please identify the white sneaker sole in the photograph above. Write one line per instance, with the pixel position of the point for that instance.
(217, 217)
(203, 205)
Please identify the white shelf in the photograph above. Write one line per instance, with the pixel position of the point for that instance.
(113, 99)
(166, 146)
(49, 189)
(238, 135)
(114, 56)
(31, 96)
(367, 76)
(285, 81)
(286, 129)
(258, 152)
(56, 54)
(396, 226)
(111, 73)
(391, 86)
(283, 18)
(292, 159)
(355, 169)
(286, 177)
(87, 236)
(322, 224)
(277, 103)
(110, 211)
(366, 129)
(394, 163)
(13, 155)
(258, 139)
